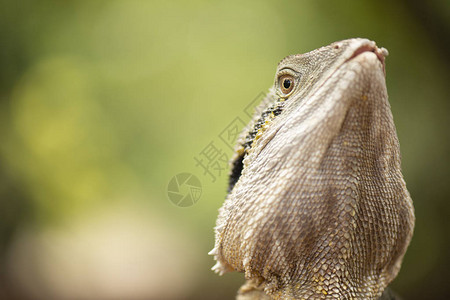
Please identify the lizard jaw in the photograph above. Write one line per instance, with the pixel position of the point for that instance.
(381, 53)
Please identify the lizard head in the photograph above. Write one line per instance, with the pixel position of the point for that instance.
(302, 72)
(324, 81)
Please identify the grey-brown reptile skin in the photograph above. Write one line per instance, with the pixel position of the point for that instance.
(318, 207)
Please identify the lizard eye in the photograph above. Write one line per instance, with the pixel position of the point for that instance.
(286, 83)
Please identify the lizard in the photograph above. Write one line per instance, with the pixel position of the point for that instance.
(317, 206)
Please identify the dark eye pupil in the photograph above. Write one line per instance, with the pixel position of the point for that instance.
(286, 83)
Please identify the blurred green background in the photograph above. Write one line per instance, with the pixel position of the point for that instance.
(103, 102)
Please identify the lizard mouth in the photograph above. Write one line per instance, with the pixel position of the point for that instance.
(381, 53)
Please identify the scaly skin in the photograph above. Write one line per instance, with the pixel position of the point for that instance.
(317, 206)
